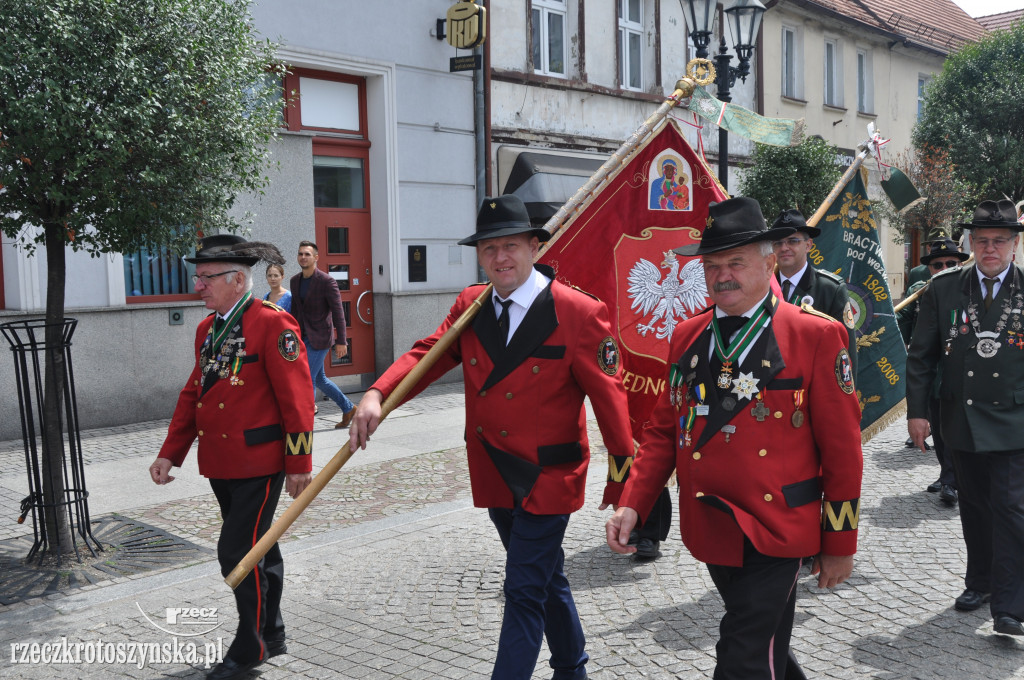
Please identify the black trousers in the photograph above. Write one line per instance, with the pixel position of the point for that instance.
(760, 600)
(947, 474)
(992, 515)
(659, 521)
(247, 506)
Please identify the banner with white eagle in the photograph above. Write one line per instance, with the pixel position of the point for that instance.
(618, 247)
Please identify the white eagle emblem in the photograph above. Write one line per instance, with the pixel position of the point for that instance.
(681, 293)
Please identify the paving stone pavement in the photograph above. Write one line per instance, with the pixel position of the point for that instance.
(392, 574)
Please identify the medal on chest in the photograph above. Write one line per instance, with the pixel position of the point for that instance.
(988, 341)
(729, 354)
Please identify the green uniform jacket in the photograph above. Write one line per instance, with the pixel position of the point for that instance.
(982, 397)
(827, 293)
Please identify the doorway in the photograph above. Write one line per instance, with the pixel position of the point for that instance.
(342, 214)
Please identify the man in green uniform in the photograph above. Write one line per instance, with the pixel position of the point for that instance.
(971, 327)
(944, 254)
(803, 284)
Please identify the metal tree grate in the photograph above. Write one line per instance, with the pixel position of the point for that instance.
(129, 547)
(57, 497)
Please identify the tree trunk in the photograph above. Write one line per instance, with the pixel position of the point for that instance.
(56, 527)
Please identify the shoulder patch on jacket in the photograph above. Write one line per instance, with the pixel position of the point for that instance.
(590, 295)
(268, 303)
(806, 307)
(830, 275)
(608, 356)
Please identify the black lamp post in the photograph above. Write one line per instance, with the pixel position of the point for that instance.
(744, 19)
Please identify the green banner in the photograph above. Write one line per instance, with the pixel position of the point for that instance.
(746, 123)
(850, 247)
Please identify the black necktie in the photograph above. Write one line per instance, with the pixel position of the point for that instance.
(218, 324)
(990, 285)
(503, 320)
(729, 325)
(786, 285)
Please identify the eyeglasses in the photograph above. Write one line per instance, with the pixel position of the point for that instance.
(206, 278)
(792, 242)
(983, 243)
(944, 263)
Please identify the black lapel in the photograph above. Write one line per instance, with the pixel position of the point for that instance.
(807, 280)
(540, 322)
(696, 368)
(764, 361)
(485, 325)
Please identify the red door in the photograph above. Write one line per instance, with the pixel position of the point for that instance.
(342, 212)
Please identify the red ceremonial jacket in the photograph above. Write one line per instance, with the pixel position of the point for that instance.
(526, 435)
(251, 403)
(789, 484)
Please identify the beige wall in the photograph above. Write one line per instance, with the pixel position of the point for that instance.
(894, 77)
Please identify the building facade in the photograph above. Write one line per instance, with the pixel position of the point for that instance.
(570, 81)
(842, 64)
(380, 161)
(375, 164)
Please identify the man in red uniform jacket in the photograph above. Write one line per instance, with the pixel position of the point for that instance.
(762, 425)
(533, 352)
(249, 403)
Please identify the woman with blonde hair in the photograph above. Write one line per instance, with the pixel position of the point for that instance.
(278, 294)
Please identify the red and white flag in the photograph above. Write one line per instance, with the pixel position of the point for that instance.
(618, 247)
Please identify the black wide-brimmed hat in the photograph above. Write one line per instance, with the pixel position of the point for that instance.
(994, 215)
(794, 218)
(503, 216)
(232, 248)
(733, 223)
(943, 247)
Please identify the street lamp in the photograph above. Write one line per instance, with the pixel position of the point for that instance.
(744, 19)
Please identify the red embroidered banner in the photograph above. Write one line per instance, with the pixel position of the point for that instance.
(618, 248)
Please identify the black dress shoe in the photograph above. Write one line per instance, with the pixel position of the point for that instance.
(228, 669)
(934, 487)
(970, 600)
(948, 495)
(634, 536)
(1007, 625)
(276, 648)
(647, 549)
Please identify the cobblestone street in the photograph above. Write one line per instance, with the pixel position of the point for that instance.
(392, 574)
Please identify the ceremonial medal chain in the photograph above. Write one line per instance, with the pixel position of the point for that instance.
(744, 338)
(987, 340)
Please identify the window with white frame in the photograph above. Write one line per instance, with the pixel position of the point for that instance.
(631, 27)
(792, 63)
(922, 83)
(865, 82)
(548, 37)
(833, 94)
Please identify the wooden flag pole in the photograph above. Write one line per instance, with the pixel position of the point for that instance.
(325, 475)
(813, 220)
(684, 88)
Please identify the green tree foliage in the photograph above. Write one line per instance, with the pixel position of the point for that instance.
(973, 110)
(783, 177)
(124, 123)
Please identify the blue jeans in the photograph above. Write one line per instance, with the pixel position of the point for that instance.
(316, 369)
(538, 602)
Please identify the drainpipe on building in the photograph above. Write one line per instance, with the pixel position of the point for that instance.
(481, 119)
